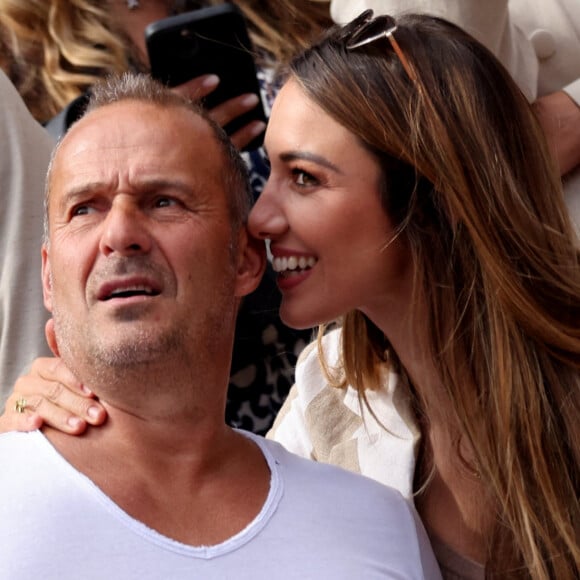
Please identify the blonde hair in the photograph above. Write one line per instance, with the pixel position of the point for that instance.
(280, 29)
(53, 51)
(469, 179)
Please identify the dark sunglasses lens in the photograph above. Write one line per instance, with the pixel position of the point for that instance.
(373, 28)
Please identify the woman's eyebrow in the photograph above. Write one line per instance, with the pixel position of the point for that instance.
(306, 156)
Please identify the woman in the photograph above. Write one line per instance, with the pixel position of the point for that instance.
(412, 196)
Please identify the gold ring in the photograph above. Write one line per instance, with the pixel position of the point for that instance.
(20, 405)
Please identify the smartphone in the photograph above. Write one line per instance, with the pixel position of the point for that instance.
(211, 40)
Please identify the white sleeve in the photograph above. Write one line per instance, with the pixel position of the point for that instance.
(573, 90)
(289, 428)
(489, 21)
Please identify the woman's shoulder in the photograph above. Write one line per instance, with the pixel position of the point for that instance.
(333, 425)
(310, 373)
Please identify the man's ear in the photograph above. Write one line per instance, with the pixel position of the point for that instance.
(51, 336)
(46, 279)
(251, 263)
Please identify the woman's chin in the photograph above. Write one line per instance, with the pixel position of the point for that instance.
(299, 318)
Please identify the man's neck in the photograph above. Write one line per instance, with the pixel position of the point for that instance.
(158, 436)
(165, 444)
(218, 477)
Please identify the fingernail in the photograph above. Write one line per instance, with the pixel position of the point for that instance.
(93, 412)
(74, 422)
(210, 81)
(258, 127)
(250, 100)
(86, 390)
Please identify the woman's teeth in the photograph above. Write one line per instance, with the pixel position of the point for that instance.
(291, 263)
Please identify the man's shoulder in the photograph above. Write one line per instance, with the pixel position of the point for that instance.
(24, 451)
(29, 463)
(332, 482)
(17, 439)
(338, 510)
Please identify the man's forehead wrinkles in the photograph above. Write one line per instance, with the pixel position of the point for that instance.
(84, 146)
(138, 184)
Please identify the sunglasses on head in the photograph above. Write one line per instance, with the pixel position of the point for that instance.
(365, 30)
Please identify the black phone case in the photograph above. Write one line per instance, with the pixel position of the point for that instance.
(210, 40)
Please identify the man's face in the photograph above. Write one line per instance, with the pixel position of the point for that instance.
(141, 257)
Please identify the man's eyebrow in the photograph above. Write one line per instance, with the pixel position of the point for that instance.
(151, 184)
(306, 156)
(80, 191)
(140, 184)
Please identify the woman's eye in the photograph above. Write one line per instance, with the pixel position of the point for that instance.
(303, 178)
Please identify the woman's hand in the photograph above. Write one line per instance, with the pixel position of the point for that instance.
(50, 394)
(227, 111)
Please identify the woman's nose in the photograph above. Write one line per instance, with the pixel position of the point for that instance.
(267, 219)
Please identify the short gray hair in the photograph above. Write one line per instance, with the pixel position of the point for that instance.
(141, 87)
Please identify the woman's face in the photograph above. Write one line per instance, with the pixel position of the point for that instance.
(332, 243)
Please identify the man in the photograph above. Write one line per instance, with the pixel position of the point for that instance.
(145, 261)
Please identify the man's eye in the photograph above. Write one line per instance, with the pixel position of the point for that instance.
(164, 202)
(81, 210)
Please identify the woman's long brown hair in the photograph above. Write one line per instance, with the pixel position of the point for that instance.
(468, 177)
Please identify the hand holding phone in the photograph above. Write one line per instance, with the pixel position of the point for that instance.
(228, 111)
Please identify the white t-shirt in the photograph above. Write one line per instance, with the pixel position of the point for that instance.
(318, 522)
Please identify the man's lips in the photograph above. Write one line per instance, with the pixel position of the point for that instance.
(128, 288)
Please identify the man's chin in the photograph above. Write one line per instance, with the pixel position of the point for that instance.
(123, 349)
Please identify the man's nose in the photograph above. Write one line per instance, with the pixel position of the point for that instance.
(125, 230)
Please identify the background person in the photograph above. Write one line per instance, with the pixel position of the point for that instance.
(538, 41)
(25, 149)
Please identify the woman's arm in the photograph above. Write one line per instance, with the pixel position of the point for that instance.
(50, 394)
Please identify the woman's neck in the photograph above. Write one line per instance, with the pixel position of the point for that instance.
(453, 502)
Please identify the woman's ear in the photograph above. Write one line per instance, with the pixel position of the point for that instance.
(251, 263)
